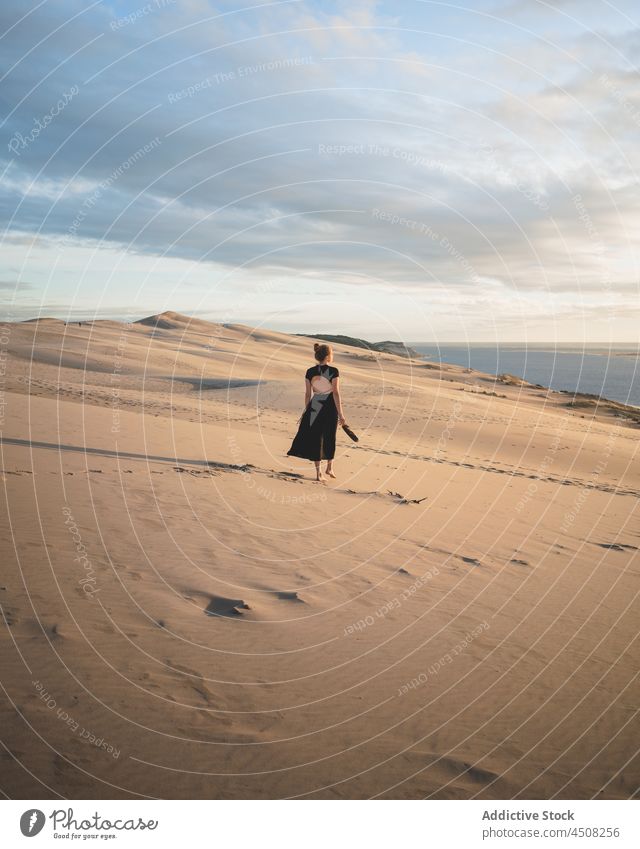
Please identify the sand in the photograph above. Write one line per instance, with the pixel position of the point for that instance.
(187, 614)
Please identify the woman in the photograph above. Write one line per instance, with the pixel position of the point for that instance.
(316, 436)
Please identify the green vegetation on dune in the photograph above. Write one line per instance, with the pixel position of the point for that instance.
(382, 347)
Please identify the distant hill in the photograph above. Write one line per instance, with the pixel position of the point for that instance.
(387, 347)
(166, 320)
(176, 321)
(171, 320)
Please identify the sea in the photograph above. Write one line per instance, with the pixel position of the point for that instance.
(612, 373)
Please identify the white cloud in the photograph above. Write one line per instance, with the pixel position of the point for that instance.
(487, 144)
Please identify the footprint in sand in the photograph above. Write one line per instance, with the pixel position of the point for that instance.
(471, 560)
(192, 680)
(462, 773)
(219, 606)
(288, 596)
(10, 616)
(207, 473)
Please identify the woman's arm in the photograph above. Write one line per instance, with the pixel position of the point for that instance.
(307, 393)
(336, 397)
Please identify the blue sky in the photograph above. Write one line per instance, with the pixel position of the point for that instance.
(416, 170)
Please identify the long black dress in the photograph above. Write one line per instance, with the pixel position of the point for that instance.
(316, 436)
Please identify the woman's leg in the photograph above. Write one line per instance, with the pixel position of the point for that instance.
(330, 438)
(319, 475)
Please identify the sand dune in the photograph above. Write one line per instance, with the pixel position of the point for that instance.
(187, 614)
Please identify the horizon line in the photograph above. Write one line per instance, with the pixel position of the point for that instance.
(444, 343)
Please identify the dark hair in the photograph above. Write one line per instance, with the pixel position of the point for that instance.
(322, 351)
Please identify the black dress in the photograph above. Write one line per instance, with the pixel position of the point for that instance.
(316, 436)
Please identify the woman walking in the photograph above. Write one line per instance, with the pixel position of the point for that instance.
(316, 436)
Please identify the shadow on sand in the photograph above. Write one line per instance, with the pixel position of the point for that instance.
(121, 455)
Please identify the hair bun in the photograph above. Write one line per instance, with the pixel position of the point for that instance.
(316, 345)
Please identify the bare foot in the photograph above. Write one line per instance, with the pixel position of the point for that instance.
(320, 478)
(331, 473)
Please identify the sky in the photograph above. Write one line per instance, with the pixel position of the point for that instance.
(424, 171)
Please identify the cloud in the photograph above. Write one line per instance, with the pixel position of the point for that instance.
(15, 286)
(282, 130)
